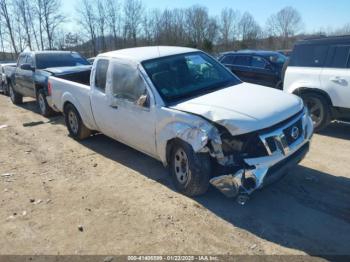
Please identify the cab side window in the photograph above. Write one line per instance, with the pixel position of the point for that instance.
(21, 60)
(128, 85)
(101, 74)
(30, 61)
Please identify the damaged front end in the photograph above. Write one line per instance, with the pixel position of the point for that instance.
(251, 161)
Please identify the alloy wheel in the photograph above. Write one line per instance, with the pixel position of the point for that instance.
(73, 122)
(181, 166)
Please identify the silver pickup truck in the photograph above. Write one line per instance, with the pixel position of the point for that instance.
(188, 111)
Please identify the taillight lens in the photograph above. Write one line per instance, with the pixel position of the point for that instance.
(49, 88)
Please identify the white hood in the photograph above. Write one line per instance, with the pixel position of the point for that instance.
(244, 108)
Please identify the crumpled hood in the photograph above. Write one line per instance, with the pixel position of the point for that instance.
(244, 108)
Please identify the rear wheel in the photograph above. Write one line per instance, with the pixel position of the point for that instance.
(15, 97)
(319, 110)
(190, 171)
(44, 107)
(75, 125)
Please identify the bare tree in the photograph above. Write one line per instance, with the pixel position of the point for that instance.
(229, 20)
(285, 24)
(133, 10)
(101, 22)
(4, 11)
(2, 42)
(113, 19)
(87, 21)
(33, 22)
(52, 18)
(149, 27)
(249, 30)
(23, 8)
(39, 13)
(201, 29)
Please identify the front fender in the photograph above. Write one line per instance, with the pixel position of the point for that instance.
(191, 129)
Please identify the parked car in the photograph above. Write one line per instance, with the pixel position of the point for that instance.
(30, 76)
(182, 107)
(3, 79)
(319, 72)
(257, 67)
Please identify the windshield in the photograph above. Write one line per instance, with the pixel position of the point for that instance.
(187, 75)
(59, 60)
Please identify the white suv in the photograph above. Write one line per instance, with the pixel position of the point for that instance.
(319, 72)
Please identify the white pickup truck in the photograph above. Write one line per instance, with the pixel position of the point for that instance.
(184, 108)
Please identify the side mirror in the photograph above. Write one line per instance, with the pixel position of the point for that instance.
(143, 101)
(27, 67)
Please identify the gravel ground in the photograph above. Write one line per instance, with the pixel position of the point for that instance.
(59, 196)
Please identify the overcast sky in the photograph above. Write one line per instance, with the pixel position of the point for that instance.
(316, 14)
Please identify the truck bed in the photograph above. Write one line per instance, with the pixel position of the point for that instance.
(78, 74)
(66, 91)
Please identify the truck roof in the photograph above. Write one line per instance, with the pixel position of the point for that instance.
(139, 54)
(48, 52)
(343, 39)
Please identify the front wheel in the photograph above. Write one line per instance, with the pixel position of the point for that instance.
(15, 97)
(319, 110)
(190, 171)
(75, 125)
(6, 89)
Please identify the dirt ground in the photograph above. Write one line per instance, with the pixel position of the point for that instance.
(125, 203)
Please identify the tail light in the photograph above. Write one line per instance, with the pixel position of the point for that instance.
(49, 88)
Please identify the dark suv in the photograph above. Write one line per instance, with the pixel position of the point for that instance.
(257, 67)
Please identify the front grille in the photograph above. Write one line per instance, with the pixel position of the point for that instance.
(254, 148)
(288, 132)
(283, 137)
(271, 143)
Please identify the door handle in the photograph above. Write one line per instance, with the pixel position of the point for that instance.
(337, 79)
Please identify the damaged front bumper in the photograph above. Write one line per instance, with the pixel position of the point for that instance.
(286, 147)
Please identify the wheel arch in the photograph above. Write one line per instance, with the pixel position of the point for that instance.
(306, 90)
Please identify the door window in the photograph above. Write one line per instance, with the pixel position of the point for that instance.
(127, 83)
(101, 74)
(228, 60)
(309, 55)
(21, 60)
(30, 61)
(258, 62)
(340, 57)
(242, 61)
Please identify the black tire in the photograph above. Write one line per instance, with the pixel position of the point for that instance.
(198, 170)
(75, 125)
(319, 110)
(6, 89)
(16, 98)
(43, 106)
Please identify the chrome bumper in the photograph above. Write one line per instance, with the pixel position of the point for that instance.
(282, 155)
